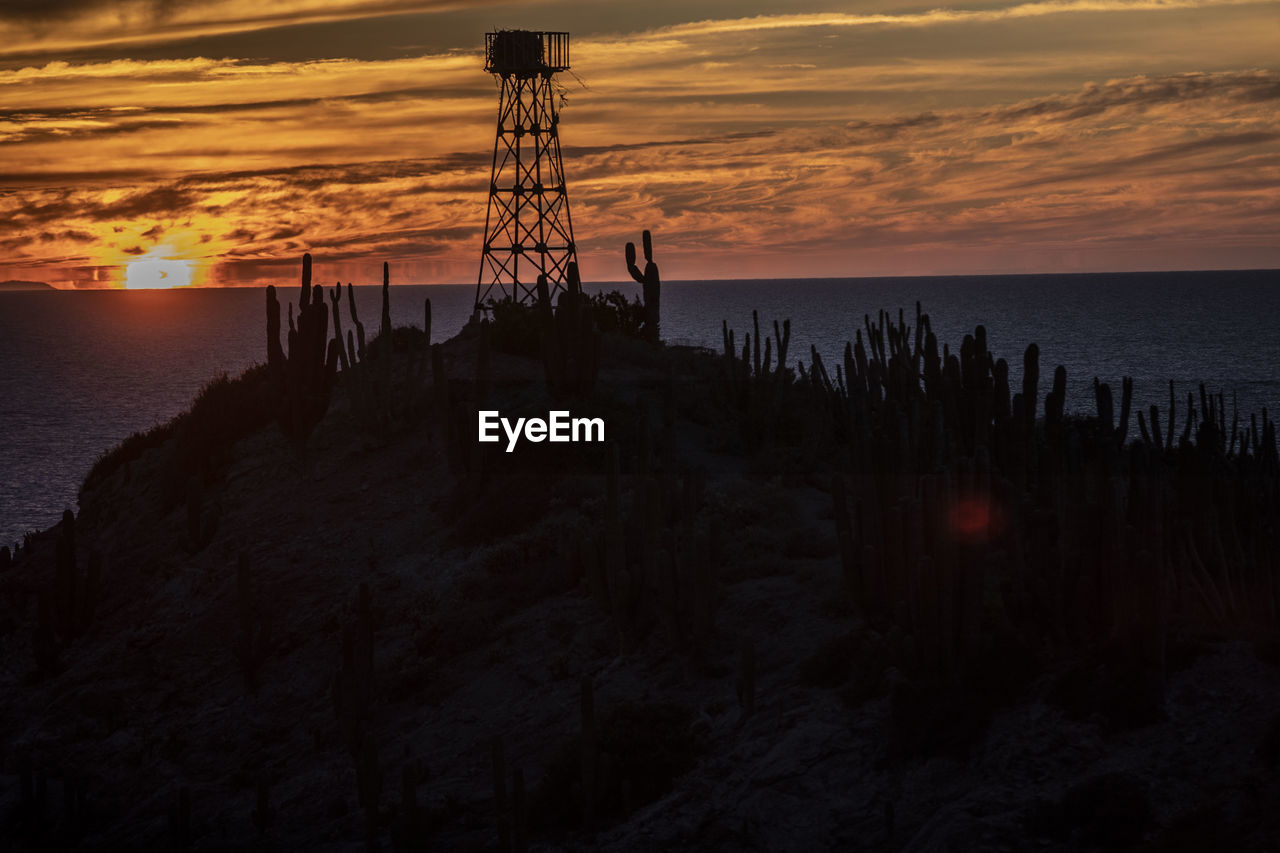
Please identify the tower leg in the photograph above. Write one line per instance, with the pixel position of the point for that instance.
(528, 228)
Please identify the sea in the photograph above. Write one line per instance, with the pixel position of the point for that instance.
(81, 370)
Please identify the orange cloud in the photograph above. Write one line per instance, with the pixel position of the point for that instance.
(59, 25)
(748, 144)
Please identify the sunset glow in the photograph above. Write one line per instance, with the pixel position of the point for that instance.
(154, 270)
(805, 139)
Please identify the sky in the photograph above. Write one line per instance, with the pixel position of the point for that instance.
(215, 141)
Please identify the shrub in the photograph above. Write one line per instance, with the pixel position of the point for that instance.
(516, 329)
(613, 313)
(225, 411)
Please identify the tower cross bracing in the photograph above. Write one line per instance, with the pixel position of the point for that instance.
(528, 229)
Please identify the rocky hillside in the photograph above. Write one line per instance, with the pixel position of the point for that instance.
(770, 611)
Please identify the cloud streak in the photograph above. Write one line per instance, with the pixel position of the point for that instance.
(938, 16)
(61, 25)
(746, 144)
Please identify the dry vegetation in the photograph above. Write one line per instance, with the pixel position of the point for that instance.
(907, 607)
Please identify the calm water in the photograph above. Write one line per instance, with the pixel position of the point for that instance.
(79, 371)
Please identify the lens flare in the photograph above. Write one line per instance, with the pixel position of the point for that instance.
(973, 520)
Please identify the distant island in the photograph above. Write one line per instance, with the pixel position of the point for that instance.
(14, 284)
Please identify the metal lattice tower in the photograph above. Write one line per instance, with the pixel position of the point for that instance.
(527, 230)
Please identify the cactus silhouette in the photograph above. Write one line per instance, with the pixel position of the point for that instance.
(652, 285)
(303, 378)
(569, 338)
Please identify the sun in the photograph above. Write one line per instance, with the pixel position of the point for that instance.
(155, 270)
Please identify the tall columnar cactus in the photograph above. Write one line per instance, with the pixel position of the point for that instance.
(356, 375)
(484, 373)
(385, 330)
(754, 384)
(652, 285)
(383, 386)
(654, 565)
(1126, 400)
(411, 394)
(275, 355)
(358, 352)
(74, 595)
(335, 298)
(968, 528)
(304, 378)
(385, 394)
(570, 340)
(66, 576)
(1102, 397)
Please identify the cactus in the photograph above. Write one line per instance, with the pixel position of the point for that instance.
(379, 393)
(652, 285)
(426, 322)
(569, 339)
(335, 299)
(755, 387)
(303, 378)
(67, 610)
(1102, 396)
(358, 353)
(385, 353)
(653, 566)
(385, 329)
(275, 355)
(420, 359)
(484, 373)
(66, 576)
(958, 515)
(439, 381)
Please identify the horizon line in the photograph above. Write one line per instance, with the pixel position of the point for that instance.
(695, 280)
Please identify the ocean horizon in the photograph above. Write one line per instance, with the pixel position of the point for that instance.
(126, 360)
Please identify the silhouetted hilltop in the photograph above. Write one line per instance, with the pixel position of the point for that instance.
(15, 284)
(894, 605)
